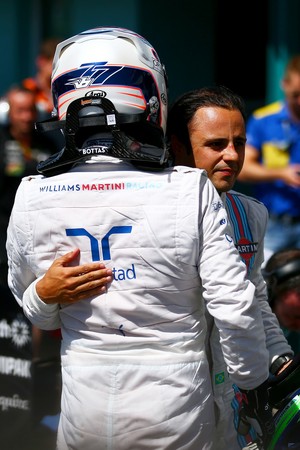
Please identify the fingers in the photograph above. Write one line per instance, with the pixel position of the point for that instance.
(83, 295)
(85, 290)
(79, 270)
(92, 280)
(67, 258)
(89, 269)
(94, 274)
(65, 283)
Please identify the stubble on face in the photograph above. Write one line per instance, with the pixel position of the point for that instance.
(218, 138)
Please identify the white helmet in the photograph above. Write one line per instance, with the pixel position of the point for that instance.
(120, 71)
(114, 63)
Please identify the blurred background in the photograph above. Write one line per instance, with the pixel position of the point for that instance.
(243, 45)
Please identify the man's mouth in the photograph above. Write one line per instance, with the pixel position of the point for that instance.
(228, 172)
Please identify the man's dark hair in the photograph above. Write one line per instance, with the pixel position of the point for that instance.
(184, 108)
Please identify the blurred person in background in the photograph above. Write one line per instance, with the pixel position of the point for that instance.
(272, 162)
(21, 148)
(282, 274)
(40, 85)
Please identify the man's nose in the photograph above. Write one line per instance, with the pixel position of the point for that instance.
(230, 152)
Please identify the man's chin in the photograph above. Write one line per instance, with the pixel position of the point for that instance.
(223, 186)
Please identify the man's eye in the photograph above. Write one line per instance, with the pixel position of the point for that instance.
(240, 143)
(217, 145)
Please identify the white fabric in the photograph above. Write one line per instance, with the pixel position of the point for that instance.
(135, 374)
(277, 344)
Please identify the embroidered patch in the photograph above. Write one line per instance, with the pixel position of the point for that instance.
(219, 378)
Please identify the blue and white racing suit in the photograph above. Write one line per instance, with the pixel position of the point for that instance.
(248, 218)
(134, 367)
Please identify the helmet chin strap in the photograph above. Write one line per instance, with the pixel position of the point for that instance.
(106, 138)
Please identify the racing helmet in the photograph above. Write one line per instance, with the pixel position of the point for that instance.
(287, 424)
(110, 62)
(109, 83)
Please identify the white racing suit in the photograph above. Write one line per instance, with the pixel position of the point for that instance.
(248, 218)
(134, 368)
